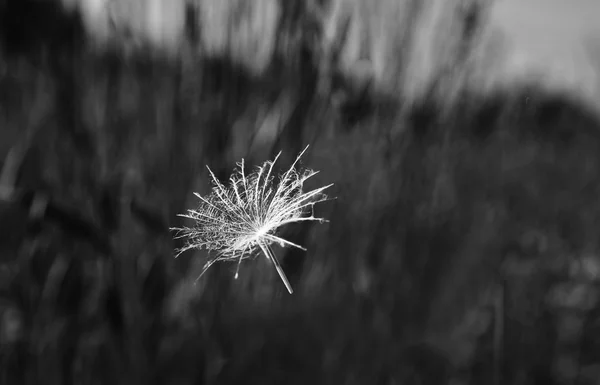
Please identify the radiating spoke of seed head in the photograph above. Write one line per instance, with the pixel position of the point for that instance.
(237, 221)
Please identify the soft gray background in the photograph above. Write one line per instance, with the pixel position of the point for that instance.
(554, 36)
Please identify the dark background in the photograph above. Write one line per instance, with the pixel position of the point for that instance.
(462, 246)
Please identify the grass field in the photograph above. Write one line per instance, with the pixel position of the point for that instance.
(462, 245)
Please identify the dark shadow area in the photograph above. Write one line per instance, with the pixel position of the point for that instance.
(461, 249)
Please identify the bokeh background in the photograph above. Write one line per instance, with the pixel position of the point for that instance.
(462, 247)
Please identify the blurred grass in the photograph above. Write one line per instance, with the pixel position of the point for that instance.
(430, 201)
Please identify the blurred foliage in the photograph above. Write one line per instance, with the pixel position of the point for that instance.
(461, 247)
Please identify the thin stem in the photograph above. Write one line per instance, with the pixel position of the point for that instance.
(271, 256)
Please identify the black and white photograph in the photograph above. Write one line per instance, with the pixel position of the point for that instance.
(300, 192)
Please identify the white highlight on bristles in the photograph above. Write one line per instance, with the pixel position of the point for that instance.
(241, 219)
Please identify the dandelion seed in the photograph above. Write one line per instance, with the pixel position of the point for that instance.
(238, 221)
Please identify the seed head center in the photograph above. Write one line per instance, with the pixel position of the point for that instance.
(262, 231)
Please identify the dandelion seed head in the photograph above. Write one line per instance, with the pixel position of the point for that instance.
(237, 221)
